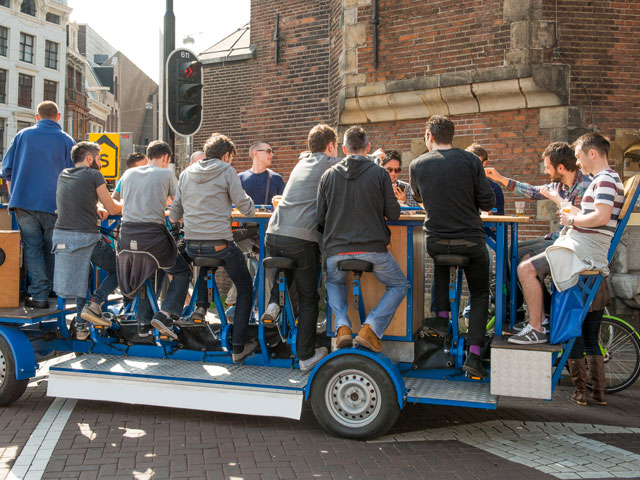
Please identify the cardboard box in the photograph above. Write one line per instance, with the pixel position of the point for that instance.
(9, 269)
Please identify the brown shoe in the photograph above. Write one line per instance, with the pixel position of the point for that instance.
(367, 339)
(598, 381)
(578, 371)
(344, 337)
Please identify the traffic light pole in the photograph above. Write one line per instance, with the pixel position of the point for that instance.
(169, 46)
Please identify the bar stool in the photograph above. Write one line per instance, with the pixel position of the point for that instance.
(287, 324)
(455, 264)
(357, 267)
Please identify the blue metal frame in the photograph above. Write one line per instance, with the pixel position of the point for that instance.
(380, 359)
(23, 354)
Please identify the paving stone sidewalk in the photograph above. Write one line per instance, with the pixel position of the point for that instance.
(116, 441)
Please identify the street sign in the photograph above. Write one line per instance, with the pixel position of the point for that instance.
(184, 92)
(109, 153)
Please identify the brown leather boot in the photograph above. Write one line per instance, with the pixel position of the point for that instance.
(344, 337)
(598, 382)
(368, 339)
(578, 371)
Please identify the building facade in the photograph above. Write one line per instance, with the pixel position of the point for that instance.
(513, 75)
(32, 61)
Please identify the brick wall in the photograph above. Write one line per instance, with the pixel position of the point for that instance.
(258, 99)
(427, 37)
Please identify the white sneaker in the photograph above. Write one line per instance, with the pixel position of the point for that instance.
(309, 363)
(270, 315)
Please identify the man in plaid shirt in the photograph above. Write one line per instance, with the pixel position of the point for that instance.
(568, 183)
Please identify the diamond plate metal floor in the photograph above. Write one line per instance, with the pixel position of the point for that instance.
(179, 370)
(449, 392)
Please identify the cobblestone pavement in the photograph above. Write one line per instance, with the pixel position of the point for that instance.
(545, 440)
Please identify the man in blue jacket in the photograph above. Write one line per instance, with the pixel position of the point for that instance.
(31, 167)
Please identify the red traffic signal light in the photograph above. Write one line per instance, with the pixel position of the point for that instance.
(183, 102)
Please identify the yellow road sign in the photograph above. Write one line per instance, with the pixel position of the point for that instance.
(109, 152)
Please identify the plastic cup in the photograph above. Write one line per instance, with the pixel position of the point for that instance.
(565, 207)
(276, 200)
(520, 209)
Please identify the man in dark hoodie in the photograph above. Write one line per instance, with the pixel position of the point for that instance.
(293, 233)
(354, 197)
(452, 186)
(206, 192)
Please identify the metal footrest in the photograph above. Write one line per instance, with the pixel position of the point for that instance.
(216, 387)
(450, 392)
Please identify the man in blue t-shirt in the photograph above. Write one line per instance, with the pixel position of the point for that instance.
(260, 183)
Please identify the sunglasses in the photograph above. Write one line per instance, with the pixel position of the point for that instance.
(268, 150)
(396, 170)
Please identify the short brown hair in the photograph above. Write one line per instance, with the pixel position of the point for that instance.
(593, 141)
(134, 158)
(218, 145)
(478, 151)
(392, 155)
(48, 110)
(355, 139)
(81, 149)
(441, 128)
(561, 153)
(320, 137)
(157, 149)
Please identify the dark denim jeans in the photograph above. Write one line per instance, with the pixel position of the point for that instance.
(36, 230)
(587, 344)
(477, 274)
(176, 293)
(236, 267)
(307, 257)
(103, 256)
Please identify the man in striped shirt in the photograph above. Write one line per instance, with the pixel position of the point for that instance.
(586, 236)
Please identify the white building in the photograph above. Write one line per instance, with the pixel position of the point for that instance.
(32, 61)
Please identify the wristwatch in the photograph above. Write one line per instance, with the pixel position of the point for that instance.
(570, 222)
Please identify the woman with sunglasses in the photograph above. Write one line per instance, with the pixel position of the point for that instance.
(402, 189)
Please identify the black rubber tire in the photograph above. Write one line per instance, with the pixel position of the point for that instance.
(621, 348)
(367, 384)
(10, 388)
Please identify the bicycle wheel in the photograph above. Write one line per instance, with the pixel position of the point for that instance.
(620, 348)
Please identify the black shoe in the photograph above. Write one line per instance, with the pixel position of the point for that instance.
(241, 353)
(163, 324)
(473, 366)
(31, 303)
(437, 325)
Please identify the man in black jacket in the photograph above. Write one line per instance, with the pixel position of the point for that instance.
(452, 186)
(354, 197)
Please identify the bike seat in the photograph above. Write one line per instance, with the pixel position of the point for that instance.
(450, 260)
(281, 263)
(355, 265)
(208, 262)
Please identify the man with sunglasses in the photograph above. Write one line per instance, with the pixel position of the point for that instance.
(260, 182)
(402, 190)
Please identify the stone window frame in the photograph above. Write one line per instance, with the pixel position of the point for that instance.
(27, 50)
(28, 7)
(25, 90)
(4, 41)
(3, 85)
(50, 90)
(51, 51)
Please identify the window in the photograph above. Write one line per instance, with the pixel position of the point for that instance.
(26, 47)
(4, 41)
(51, 55)
(3, 86)
(5, 3)
(70, 122)
(22, 125)
(25, 90)
(79, 81)
(3, 124)
(28, 7)
(50, 90)
(53, 18)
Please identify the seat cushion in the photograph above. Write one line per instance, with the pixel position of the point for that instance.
(281, 263)
(208, 262)
(450, 260)
(355, 265)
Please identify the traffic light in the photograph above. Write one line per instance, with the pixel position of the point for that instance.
(183, 102)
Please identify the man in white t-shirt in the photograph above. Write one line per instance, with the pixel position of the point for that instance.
(584, 242)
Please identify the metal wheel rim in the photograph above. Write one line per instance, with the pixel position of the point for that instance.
(3, 368)
(353, 398)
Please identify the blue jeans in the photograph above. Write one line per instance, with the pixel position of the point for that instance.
(103, 256)
(236, 267)
(176, 293)
(36, 230)
(386, 271)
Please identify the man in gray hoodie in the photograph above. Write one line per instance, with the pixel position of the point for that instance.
(293, 233)
(354, 197)
(206, 192)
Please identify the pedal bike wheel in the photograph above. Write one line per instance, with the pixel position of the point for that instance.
(620, 346)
